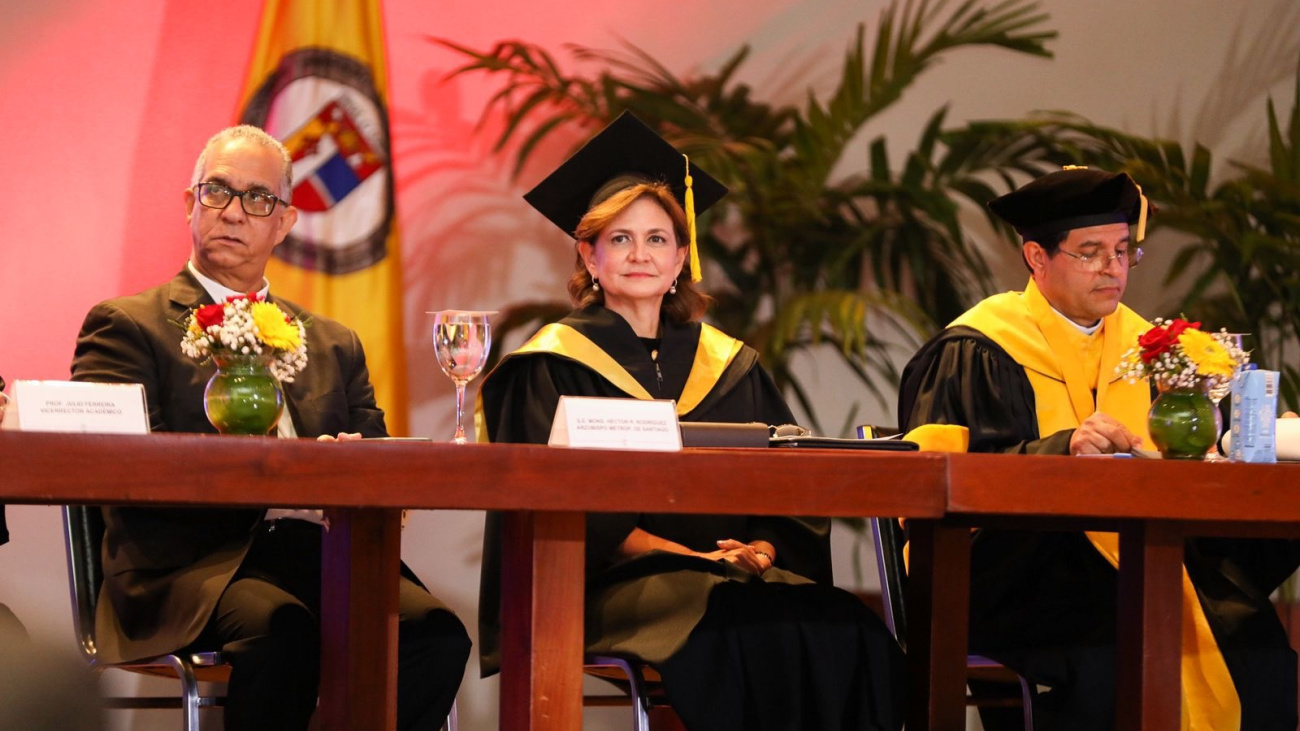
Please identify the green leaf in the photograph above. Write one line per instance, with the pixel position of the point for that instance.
(537, 135)
(1200, 173)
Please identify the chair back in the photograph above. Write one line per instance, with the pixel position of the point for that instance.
(888, 535)
(893, 582)
(83, 534)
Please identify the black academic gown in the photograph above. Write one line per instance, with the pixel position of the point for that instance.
(785, 650)
(1044, 602)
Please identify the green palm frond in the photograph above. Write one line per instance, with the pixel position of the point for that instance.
(1284, 146)
(837, 318)
(908, 40)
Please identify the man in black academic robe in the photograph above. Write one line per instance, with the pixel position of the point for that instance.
(1034, 373)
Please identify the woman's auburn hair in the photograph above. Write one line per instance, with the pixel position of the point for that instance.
(689, 303)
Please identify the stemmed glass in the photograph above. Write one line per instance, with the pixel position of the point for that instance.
(461, 340)
(1234, 342)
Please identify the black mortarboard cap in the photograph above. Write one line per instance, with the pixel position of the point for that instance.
(626, 148)
(1075, 197)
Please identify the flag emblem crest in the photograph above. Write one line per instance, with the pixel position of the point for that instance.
(324, 107)
(342, 158)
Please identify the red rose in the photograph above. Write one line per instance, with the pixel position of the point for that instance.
(209, 315)
(1154, 343)
(1177, 327)
(1158, 340)
(251, 297)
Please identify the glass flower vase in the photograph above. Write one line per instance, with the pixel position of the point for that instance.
(243, 397)
(1183, 421)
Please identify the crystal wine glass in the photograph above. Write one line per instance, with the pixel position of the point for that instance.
(461, 340)
(1234, 342)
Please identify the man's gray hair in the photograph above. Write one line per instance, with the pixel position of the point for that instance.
(258, 136)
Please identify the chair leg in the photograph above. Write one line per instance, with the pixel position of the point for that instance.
(1027, 693)
(453, 719)
(636, 690)
(640, 701)
(189, 692)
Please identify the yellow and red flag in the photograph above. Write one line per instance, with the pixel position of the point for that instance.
(318, 81)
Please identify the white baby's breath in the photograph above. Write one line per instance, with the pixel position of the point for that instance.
(238, 333)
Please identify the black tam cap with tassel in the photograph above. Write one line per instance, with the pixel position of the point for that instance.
(1075, 197)
(625, 153)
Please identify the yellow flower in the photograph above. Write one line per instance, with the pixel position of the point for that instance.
(272, 328)
(1207, 354)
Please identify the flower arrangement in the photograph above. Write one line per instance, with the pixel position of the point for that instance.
(247, 325)
(1178, 354)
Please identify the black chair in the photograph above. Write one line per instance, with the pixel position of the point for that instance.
(83, 531)
(893, 576)
(639, 681)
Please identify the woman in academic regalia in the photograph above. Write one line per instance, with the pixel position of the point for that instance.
(736, 612)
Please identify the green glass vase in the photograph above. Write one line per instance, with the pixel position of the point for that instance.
(1183, 421)
(242, 397)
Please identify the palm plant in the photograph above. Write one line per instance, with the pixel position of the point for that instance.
(803, 258)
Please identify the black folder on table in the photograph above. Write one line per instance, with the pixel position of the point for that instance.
(879, 445)
(717, 434)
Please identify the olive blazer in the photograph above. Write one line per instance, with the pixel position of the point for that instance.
(165, 568)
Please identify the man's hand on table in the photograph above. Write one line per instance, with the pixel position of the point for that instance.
(1103, 434)
(342, 437)
(352, 437)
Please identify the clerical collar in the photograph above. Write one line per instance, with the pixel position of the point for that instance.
(218, 291)
(1085, 330)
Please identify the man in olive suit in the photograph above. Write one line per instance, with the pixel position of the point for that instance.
(244, 581)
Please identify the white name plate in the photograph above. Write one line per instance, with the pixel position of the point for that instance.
(616, 423)
(67, 406)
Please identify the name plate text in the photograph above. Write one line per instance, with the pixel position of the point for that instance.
(614, 423)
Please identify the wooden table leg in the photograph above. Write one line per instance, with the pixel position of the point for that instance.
(542, 569)
(360, 559)
(1148, 686)
(938, 597)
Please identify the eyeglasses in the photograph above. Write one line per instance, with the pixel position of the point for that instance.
(254, 202)
(1095, 263)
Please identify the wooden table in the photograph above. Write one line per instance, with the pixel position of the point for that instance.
(1153, 505)
(545, 493)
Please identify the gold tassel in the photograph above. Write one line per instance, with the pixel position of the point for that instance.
(1142, 214)
(696, 274)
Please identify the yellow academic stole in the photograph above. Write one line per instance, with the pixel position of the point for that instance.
(713, 354)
